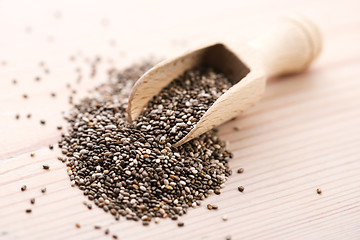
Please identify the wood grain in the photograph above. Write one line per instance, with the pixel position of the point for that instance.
(304, 134)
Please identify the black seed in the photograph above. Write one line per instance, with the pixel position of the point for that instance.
(32, 200)
(180, 224)
(28, 210)
(318, 191)
(23, 188)
(240, 170)
(241, 188)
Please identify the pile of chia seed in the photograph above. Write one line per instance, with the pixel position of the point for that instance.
(132, 170)
(176, 110)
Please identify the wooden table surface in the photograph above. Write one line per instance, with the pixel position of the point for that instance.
(304, 135)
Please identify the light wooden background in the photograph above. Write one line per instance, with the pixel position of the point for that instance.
(304, 135)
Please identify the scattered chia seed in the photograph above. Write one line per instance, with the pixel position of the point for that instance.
(32, 200)
(25, 96)
(23, 188)
(43, 189)
(209, 206)
(132, 170)
(59, 128)
(114, 236)
(53, 94)
(46, 167)
(51, 147)
(14, 81)
(28, 210)
(228, 237)
(28, 115)
(241, 188)
(37, 79)
(318, 191)
(224, 218)
(240, 170)
(180, 224)
(32, 154)
(42, 122)
(97, 227)
(77, 225)
(107, 232)
(17, 116)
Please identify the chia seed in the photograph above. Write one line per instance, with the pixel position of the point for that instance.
(240, 170)
(132, 170)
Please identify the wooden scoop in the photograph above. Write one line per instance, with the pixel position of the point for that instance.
(288, 47)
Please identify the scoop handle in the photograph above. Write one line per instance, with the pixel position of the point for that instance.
(289, 46)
